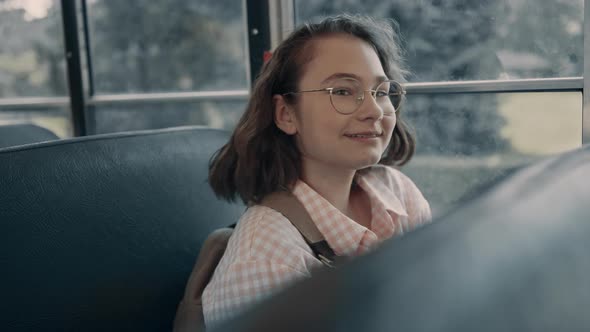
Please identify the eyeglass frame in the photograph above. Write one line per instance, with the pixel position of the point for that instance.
(373, 94)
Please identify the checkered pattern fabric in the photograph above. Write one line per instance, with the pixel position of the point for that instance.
(266, 253)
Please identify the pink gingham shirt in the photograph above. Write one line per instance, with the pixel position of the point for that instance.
(266, 252)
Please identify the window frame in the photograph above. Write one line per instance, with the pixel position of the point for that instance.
(586, 79)
(262, 35)
(562, 84)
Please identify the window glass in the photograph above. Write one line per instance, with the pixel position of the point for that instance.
(476, 40)
(54, 119)
(32, 61)
(467, 140)
(125, 116)
(173, 45)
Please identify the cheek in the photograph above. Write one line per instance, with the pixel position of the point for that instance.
(388, 126)
(315, 115)
(314, 123)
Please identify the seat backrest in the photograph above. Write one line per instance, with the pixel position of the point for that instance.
(100, 233)
(517, 258)
(19, 134)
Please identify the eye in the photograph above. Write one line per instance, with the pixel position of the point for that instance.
(342, 92)
(381, 93)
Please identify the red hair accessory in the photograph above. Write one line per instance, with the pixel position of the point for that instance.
(267, 55)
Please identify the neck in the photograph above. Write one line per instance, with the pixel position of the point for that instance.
(333, 184)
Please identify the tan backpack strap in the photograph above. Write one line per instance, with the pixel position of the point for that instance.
(290, 207)
(189, 315)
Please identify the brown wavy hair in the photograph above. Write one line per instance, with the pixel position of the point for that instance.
(259, 158)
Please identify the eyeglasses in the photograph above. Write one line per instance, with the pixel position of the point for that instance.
(347, 95)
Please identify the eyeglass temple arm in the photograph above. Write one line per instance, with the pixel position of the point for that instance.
(316, 90)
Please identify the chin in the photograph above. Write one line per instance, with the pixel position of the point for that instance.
(367, 162)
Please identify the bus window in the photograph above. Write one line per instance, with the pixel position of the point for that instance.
(199, 48)
(475, 40)
(467, 140)
(33, 86)
(468, 134)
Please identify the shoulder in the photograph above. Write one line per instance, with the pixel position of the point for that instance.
(264, 254)
(263, 234)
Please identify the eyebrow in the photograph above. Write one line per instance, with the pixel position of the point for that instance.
(378, 79)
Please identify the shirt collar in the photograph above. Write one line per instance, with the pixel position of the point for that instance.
(343, 234)
(378, 192)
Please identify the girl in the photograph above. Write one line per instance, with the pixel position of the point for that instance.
(323, 123)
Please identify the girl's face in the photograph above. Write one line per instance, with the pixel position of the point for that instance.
(325, 137)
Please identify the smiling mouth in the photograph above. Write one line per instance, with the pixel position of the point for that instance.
(364, 135)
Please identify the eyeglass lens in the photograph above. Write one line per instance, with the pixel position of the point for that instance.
(347, 95)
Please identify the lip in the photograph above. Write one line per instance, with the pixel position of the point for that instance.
(364, 134)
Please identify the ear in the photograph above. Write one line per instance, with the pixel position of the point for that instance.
(284, 115)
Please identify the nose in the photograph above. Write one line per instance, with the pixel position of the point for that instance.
(369, 107)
